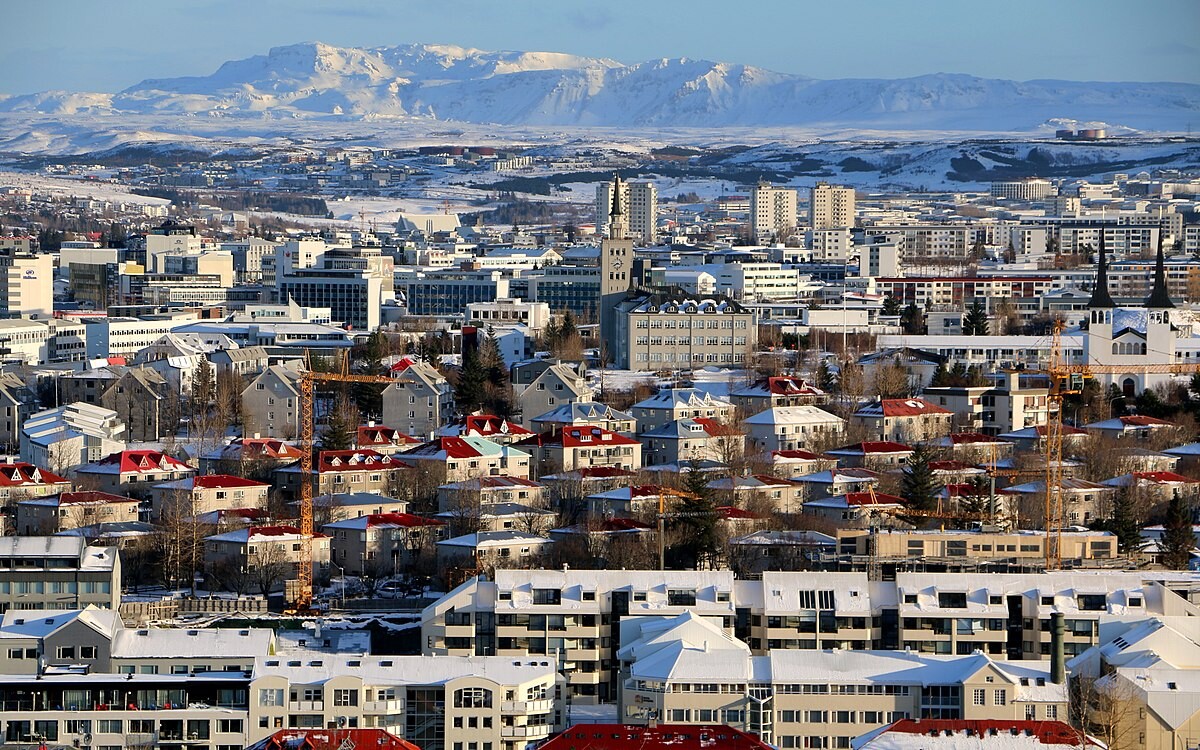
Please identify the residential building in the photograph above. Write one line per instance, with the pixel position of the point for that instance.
(132, 473)
(699, 439)
(574, 448)
(656, 331)
(386, 440)
(195, 495)
(558, 384)
(772, 211)
(271, 403)
(785, 428)
(580, 413)
(42, 516)
(243, 455)
(638, 202)
(659, 737)
(17, 402)
(877, 455)
(460, 458)
(348, 471)
(673, 404)
(759, 491)
(978, 734)
(486, 426)
(269, 555)
(378, 544)
(775, 391)
(831, 207)
(485, 549)
(904, 420)
(966, 549)
(1029, 190)
(490, 490)
(20, 480)
(57, 572)
(419, 402)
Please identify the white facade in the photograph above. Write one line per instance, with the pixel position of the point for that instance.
(831, 207)
(639, 201)
(509, 311)
(1023, 190)
(772, 210)
(28, 285)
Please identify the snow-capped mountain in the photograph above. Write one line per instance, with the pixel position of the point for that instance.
(445, 82)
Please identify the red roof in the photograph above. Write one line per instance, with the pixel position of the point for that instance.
(965, 438)
(356, 460)
(715, 428)
(223, 481)
(1047, 732)
(278, 530)
(661, 737)
(1163, 477)
(1067, 429)
(874, 446)
(733, 513)
(962, 489)
(332, 739)
(92, 498)
(407, 520)
(403, 364)
(949, 466)
(250, 514)
(603, 472)
(20, 473)
(269, 447)
(380, 435)
(589, 435)
(864, 498)
(486, 424)
(781, 386)
(454, 447)
(136, 462)
(1139, 420)
(654, 490)
(910, 407)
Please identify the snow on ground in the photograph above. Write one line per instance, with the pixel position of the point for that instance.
(65, 187)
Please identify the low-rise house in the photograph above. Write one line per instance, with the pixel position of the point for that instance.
(581, 447)
(340, 506)
(1156, 487)
(348, 471)
(972, 447)
(673, 404)
(791, 427)
(271, 403)
(858, 510)
(20, 481)
(776, 391)
(72, 510)
(952, 471)
(132, 472)
(244, 456)
(461, 458)
(1188, 456)
(1136, 426)
(1033, 439)
(904, 420)
(580, 413)
(419, 401)
(493, 548)
(195, 495)
(557, 384)
(265, 556)
(596, 536)
(877, 455)
(486, 426)
(488, 490)
(1083, 501)
(380, 543)
(799, 462)
(633, 500)
(143, 400)
(698, 439)
(58, 572)
(836, 482)
(70, 435)
(386, 440)
(757, 490)
(588, 480)
(977, 734)
(918, 365)
(242, 361)
(502, 516)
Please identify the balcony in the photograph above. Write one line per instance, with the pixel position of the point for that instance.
(307, 706)
(535, 731)
(527, 707)
(583, 654)
(383, 707)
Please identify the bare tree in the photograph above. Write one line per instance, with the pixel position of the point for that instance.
(268, 566)
(230, 575)
(1107, 708)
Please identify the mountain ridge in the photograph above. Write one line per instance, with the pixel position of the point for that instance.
(447, 82)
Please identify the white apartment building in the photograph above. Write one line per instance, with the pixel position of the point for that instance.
(639, 201)
(772, 211)
(757, 281)
(829, 245)
(831, 207)
(110, 337)
(71, 435)
(1032, 189)
(507, 311)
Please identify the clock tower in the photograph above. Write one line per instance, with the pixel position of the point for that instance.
(616, 259)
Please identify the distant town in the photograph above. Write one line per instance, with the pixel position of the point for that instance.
(463, 447)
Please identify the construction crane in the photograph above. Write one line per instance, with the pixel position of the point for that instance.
(302, 602)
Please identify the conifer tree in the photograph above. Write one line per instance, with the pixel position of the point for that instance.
(1178, 539)
(891, 305)
(1124, 524)
(342, 426)
(918, 486)
(696, 521)
(975, 323)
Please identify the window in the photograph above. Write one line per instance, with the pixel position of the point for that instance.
(65, 652)
(345, 697)
(87, 652)
(979, 697)
(1001, 697)
(228, 726)
(270, 696)
(473, 698)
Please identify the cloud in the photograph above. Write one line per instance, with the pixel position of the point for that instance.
(590, 19)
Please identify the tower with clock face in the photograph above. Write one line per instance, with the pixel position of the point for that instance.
(616, 258)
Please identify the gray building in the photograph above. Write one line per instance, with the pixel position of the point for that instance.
(57, 572)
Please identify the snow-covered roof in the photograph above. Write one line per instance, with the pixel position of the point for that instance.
(176, 643)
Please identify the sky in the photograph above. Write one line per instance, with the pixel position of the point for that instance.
(84, 45)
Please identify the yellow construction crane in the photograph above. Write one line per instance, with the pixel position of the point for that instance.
(308, 380)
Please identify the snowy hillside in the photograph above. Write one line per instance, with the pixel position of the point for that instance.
(444, 82)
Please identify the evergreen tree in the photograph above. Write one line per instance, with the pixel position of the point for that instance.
(369, 396)
(975, 323)
(1178, 539)
(940, 377)
(341, 428)
(891, 305)
(978, 249)
(497, 395)
(1124, 523)
(696, 521)
(203, 386)
(568, 328)
(550, 334)
(918, 486)
(825, 379)
(913, 320)
(472, 379)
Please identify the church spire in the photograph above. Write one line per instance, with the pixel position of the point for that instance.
(1100, 295)
(1159, 299)
(616, 217)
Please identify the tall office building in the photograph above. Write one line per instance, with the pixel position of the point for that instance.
(772, 211)
(639, 205)
(831, 207)
(616, 259)
(28, 285)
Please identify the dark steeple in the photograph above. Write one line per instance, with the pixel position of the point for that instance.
(1159, 299)
(1100, 295)
(616, 196)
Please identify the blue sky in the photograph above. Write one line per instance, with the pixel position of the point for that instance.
(106, 46)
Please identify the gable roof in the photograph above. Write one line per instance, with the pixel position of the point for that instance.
(900, 407)
(23, 474)
(135, 462)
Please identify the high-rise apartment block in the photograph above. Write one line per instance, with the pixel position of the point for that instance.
(28, 285)
(639, 205)
(772, 210)
(831, 207)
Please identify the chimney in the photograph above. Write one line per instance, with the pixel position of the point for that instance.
(1057, 649)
